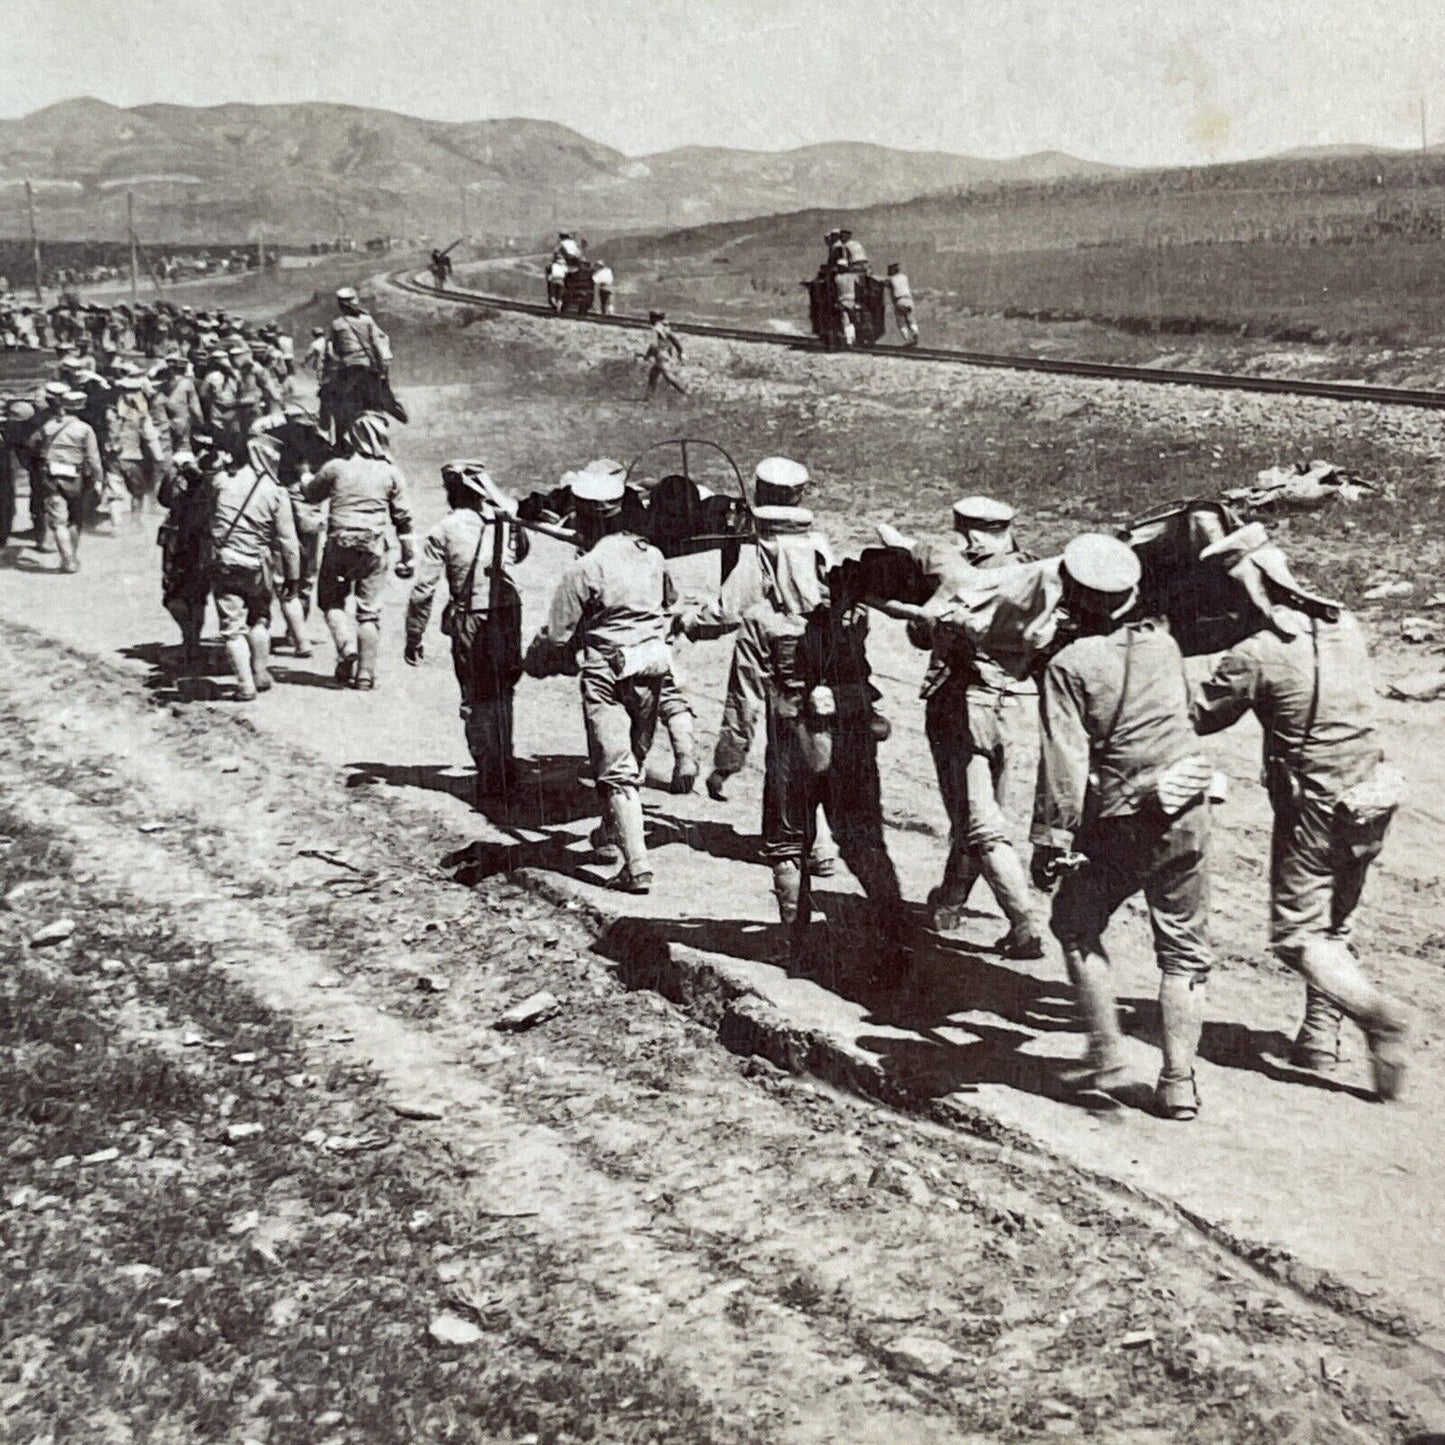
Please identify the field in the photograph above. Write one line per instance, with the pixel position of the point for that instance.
(709, 1200)
(1319, 266)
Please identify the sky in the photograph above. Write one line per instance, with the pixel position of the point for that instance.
(1137, 82)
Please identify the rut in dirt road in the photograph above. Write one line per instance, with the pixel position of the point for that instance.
(804, 1266)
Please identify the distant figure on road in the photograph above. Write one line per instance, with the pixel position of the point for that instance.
(441, 269)
(602, 280)
(661, 349)
(556, 283)
(902, 296)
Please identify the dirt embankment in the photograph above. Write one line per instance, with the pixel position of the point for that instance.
(260, 1137)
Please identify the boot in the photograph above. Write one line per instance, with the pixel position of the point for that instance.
(189, 619)
(238, 650)
(1003, 870)
(368, 646)
(823, 855)
(1317, 1044)
(1181, 1013)
(1093, 983)
(624, 816)
(948, 901)
(684, 764)
(1328, 966)
(260, 642)
(787, 889)
(295, 618)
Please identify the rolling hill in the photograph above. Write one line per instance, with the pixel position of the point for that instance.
(304, 172)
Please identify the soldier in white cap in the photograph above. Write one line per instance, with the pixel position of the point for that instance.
(1122, 807)
(801, 662)
(972, 718)
(613, 607)
(777, 482)
(483, 617)
(662, 347)
(1305, 673)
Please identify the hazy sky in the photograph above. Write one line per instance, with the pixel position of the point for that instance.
(1134, 81)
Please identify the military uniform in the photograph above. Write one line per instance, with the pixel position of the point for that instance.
(71, 473)
(803, 666)
(358, 357)
(973, 720)
(1114, 720)
(1306, 675)
(613, 605)
(661, 349)
(484, 621)
(365, 493)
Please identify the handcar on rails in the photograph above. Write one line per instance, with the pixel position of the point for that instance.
(826, 320)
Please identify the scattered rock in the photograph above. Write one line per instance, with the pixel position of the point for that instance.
(354, 1143)
(111, 965)
(284, 1312)
(303, 1080)
(432, 983)
(245, 1058)
(417, 1109)
(236, 1132)
(534, 1009)
(101, 1156)
(138, 1272)
(451, 1329)
(1136, 1339)
(1419, 629)
(53, 933)
(1418, 687)
(1386, 590)
(152, 828)
(920, 1355)
(244, 1222)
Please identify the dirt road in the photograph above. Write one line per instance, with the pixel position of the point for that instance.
(1326, 1188)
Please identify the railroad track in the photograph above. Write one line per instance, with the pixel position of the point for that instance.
(1340, 391)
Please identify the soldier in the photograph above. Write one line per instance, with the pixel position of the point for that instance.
(366, 493)
(970, 718)
(1305, 673)
(220, 393)
(315, 359)
(662, 346)
(852, 256)
(136, 441)
(358, 365)
(777, 482)
(612, 606)
(567, 250)
(70, 467)
(845, 288)
(602, 280)
(176, 405)
(902, 295)
(185, 543)
(18, 463)
(304, 450)
(483, 617)
(250, 523)
(556, 283)
(1119, 781)
(803, 664)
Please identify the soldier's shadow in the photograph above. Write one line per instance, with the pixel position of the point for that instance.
(209, 681)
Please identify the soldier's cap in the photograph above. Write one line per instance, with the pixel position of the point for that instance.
(130, 383)
(597, 489)
(18, 409)
(125, 368)
(782, 521)
(1104, 569)
(236, 345)
(71, 363)
(781, 472)
(57, 388)
(347, 293)
(184, 458)
(564, 235)
(76, 398)
(318, 331)
(607, 466)
(831, 236)
(1251, 559)
(844, 234)
(295, 409)
(984, 514)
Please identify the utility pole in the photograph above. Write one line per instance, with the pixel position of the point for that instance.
(466, 229)
(134, 261)
(260, 250)
(34, 242)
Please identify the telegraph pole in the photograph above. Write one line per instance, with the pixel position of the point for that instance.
(261, 250)
(134, 260)
(465, 224)
(34, 242)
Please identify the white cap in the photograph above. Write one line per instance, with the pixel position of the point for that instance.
(347, 293)
(600, 488)
(981, 512)
(783, 473)
(1102, 565)
(774, 521)
(606, 466)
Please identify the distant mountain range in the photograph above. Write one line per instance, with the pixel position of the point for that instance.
(311, 171)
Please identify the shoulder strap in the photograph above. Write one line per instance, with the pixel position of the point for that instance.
(240, 513)
(476, 557)
(1123, 687)
(1315, 691)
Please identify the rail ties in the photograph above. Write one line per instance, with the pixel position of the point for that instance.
(1338, 391)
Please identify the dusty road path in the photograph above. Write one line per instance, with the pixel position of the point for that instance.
(294, 1160)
